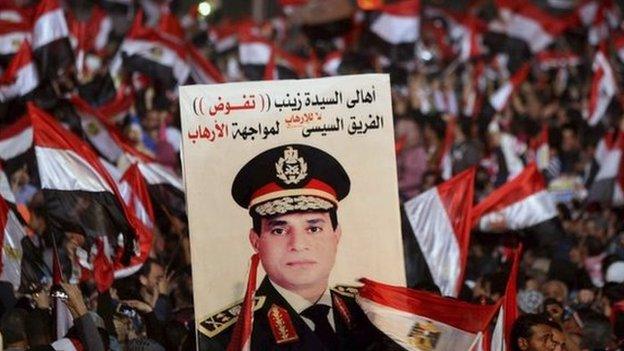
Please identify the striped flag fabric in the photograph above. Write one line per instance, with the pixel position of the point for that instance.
(539, 149)
(80, 195)
(20, 77)
(202, 70)
(440, 220)
(50, 39)
(12, 35)
(520, 203)
(135, 194)
(500, 98)
(398, 23)
(418, 320)
(607, 184)
(526, 21)
(446, 161)
(12, 232)
(150, 52)
(603, 88)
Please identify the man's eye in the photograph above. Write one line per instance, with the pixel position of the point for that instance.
(278, 231)
(315, 229)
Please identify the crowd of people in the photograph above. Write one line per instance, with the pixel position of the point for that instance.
(570, 288)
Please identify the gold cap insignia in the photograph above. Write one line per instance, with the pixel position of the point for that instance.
(291, 168)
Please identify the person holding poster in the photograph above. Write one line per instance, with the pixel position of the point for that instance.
(292, 194)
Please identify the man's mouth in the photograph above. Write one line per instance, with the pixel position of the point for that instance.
(300, 263)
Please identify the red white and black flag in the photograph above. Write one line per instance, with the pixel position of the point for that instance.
(603, 88)
(398, 23)
(158, 56)
(520, 203)
(20, 77)
(80, 195)
(50, 39)
(418, 320)
(500, 98)
(608, 182)
(12, 232)
(136, 196)
(527, 22)
(440, 220)
(12, 35)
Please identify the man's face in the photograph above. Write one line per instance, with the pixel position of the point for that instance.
(297, 250)
(541, 339)
(155, 275)
(559, 340)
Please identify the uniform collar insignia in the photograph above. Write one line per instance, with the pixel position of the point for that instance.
(281, 325)
(343, 310)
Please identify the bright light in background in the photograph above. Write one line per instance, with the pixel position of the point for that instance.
(204, 8)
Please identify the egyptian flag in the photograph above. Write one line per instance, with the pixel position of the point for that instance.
(12, 233)
(608, 159)
(16, 148)
(89, 39)
(418, 320)
(136, 196)
(165, 188)
(440, 220)
(254, 54)
(500, 98)
(20, 77)
(283, 65)
(202, 70)
(224, 37)
(99, 133)
(553, 59)
(332, 63)
(446, 159)
(156, 55)
(12, 35)
(603, 88)
(508, 312)
(527, 22)
(523, 203)
(116, 109)
(398, 25)
(50, 39)
(80, 195)
(471, 43)
(539, 151)
(6, 193)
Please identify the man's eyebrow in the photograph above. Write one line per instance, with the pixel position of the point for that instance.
(315, 221)
(276, 222)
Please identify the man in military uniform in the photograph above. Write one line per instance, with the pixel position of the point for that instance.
(292, 194)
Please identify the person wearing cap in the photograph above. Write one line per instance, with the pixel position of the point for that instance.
(292, 194)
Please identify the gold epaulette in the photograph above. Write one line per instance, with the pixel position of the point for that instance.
(222, 320)
(346, 290)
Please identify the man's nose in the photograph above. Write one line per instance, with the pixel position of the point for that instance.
(298, 240)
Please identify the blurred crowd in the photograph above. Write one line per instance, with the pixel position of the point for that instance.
(575, 283)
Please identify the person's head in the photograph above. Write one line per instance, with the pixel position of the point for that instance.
(151, 274)
(532, 332)
(554, 309)
(292, 194)
(13, 327)
(298, 249)
(559, 340)
(38, 328)
(555, 289)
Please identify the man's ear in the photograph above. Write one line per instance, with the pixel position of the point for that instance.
(338, 232)
(142, 280)
(254, 239)
(523, 344)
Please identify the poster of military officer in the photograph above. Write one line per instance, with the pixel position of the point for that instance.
(302, 173)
